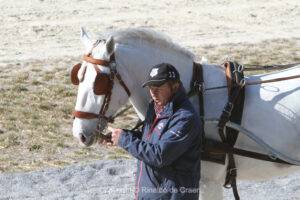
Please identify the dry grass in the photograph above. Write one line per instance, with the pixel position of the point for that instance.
(36, 99)
(36, 103)
(280, 51)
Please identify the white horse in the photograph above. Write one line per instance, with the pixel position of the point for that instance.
(271, 111)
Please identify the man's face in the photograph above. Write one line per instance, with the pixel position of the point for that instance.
(161, 95)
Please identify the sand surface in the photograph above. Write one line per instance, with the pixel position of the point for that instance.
(106, 180)
(47, 29)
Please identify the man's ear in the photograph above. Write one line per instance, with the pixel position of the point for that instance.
(175, 86)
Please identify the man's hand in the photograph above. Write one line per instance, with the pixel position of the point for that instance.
(115, 134)
(105, 139)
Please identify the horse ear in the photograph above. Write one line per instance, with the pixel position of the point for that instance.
(110, 46)
(86, 40)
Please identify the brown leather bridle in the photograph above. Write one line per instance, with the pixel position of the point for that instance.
(113, 73)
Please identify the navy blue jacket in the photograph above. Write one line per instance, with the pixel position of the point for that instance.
(168, 150)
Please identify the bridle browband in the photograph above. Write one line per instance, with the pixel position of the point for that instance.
(113, 73)
(88, 58)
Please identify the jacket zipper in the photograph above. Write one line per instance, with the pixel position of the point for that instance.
(141, 163)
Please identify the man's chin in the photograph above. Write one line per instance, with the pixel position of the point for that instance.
(159, 103)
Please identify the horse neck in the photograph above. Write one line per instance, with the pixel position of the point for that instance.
(214, 99)
(134, 62)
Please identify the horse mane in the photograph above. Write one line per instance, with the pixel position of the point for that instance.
(127, 36)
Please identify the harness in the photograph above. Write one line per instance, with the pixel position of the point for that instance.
(216, 151)
(232, 111)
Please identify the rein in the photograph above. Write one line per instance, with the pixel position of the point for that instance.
(272, 80)
(269, 67)
(244, 82)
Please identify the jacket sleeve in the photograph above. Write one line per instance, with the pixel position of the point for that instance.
(174, 142)
(137, 134)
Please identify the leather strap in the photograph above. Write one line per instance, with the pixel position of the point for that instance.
(233, 111)
(216, 147)
(249, 67)
(272, 80)
(90, 59)
(85, 115)
(105, 105)
(197, 87)
(122, 83)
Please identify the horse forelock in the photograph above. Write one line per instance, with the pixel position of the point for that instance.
(139, 36)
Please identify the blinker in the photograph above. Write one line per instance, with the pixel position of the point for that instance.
(74, 74)
(102, 84)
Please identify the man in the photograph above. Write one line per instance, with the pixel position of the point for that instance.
(168, 149)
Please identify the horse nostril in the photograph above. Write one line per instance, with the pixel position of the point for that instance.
(82, 138)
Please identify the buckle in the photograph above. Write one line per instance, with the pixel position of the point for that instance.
(199, 85)
(272, 156)
(232, 170)
(228, 108)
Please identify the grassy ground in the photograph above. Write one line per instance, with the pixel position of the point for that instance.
(36, 102)
(37, 98)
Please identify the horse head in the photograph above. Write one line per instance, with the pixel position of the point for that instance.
(99, 94)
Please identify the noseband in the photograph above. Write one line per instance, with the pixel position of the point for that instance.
(113, 73)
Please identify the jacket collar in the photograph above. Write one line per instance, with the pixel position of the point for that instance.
(173, 104)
